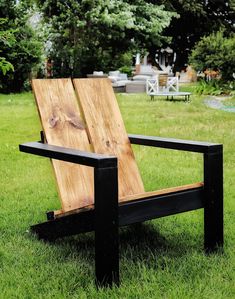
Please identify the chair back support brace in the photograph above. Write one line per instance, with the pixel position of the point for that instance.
(98, 180)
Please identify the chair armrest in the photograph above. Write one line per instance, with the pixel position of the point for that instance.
(69, 155)
(176, 144)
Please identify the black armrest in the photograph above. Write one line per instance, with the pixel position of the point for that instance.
(69, 155)
(176, 144)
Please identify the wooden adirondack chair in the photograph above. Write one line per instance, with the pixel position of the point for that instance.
(98, 180)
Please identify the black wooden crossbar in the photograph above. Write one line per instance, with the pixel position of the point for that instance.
(160, 206)
(68, 154)
(176, 144)
(128, 213)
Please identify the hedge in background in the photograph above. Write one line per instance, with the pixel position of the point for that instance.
(215, 52)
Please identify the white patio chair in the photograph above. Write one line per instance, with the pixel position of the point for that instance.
(172, 84)
(152, 86)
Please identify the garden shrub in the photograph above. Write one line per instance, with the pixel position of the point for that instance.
(215, 52)
(211, 87)
(20, 50)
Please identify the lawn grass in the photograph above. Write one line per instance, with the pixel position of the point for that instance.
(163, 258)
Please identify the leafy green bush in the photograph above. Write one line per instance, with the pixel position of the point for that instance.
(20, 48)
(124, 64)
(5, 66)
(209, 87)
(215, 52)
(126, 69)
(215, 87)
(6, 38)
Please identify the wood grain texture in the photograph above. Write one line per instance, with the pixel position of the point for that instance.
(63, 126)
(107, 132)
(162, 192)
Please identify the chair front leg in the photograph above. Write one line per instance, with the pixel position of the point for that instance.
(213, 211)
(106, 226)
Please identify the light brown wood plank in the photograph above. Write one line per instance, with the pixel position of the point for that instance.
(60, 213)
(63, 126)
(107, 131)
(161, 192)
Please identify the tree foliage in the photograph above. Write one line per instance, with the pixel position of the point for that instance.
(197, 18)
(215, 52)
(96, 34)
(19, 46)
(6, 38)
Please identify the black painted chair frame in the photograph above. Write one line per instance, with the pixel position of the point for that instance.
(108, 215)
(213, 182)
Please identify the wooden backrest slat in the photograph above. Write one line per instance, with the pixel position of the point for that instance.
(107, 132)
(63, 126)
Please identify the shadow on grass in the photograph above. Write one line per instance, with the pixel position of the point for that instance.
(142, 241)
(143, 248)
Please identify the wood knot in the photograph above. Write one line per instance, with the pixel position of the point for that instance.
(76, 123)
(53, 121)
